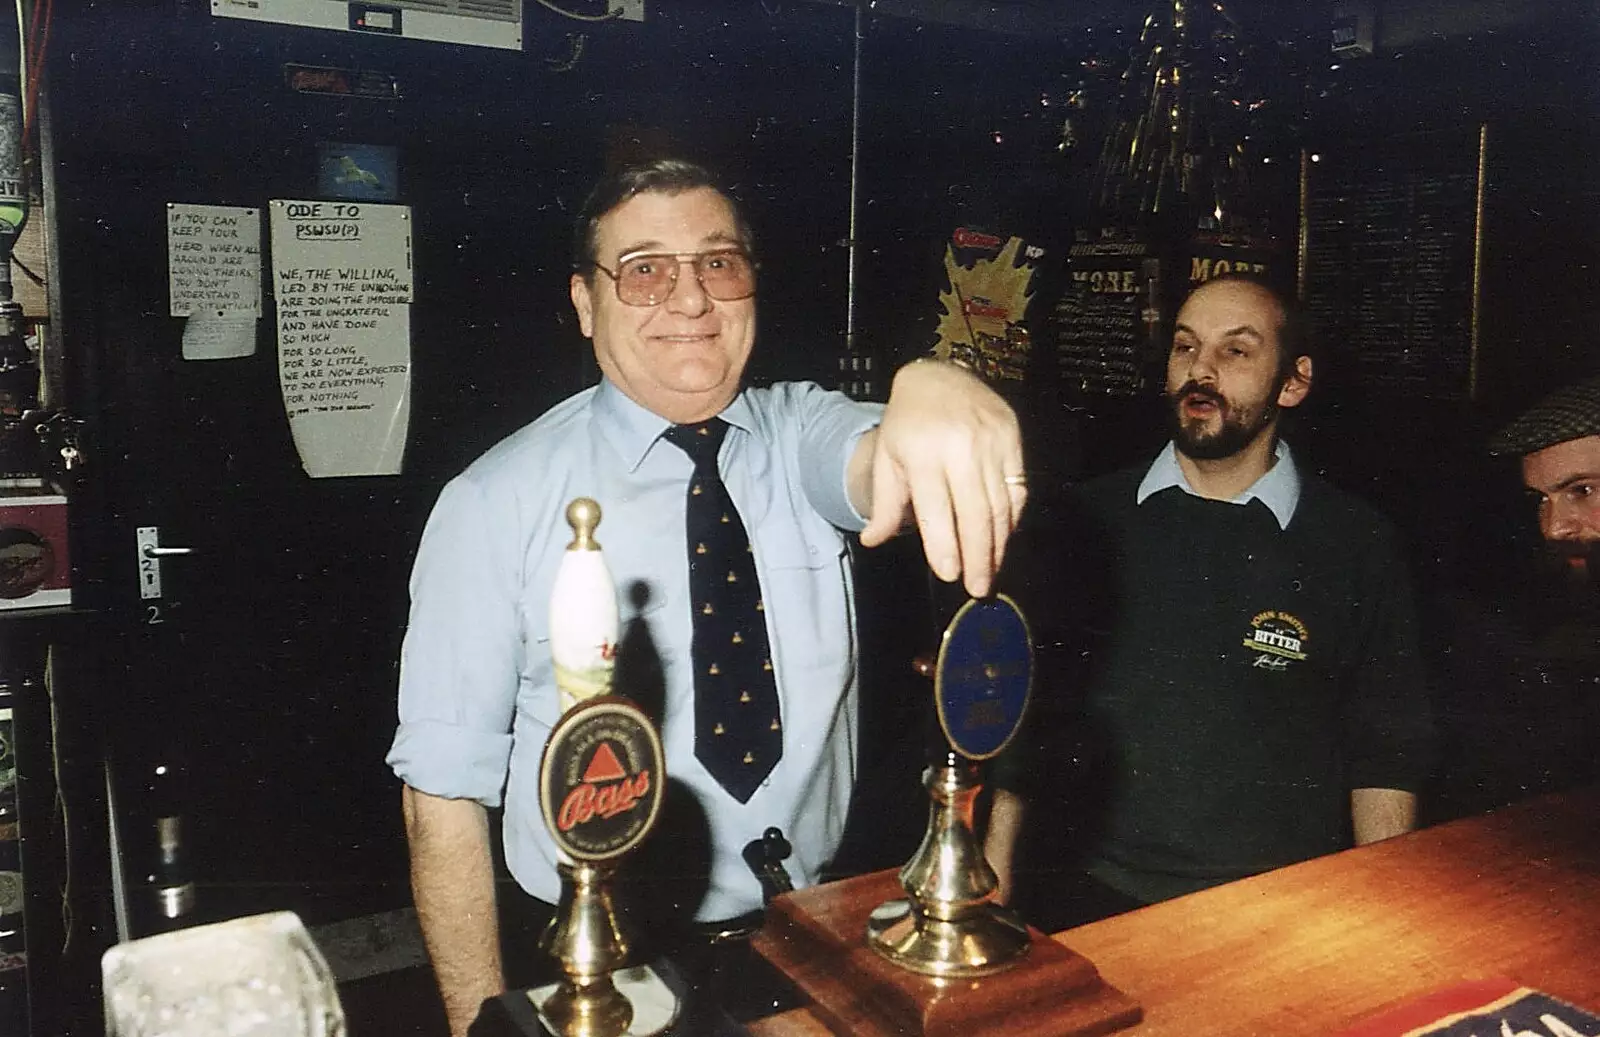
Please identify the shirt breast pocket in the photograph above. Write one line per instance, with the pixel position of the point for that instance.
(806, 594)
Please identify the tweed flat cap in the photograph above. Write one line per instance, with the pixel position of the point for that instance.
(1571, 412)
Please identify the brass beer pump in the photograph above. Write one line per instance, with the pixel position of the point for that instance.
(601, 780)
(949, 924)
(940, 957)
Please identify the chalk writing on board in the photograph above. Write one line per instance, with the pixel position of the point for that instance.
(1098, 320)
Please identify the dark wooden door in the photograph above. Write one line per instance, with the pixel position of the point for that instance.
(266, 668)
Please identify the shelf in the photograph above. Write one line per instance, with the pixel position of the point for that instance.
(44, 612)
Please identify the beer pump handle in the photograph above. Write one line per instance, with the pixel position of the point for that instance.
(583, 612)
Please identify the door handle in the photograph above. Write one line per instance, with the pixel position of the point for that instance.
(150, 552)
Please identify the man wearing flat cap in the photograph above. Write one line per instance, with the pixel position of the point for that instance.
(1523, 665)
(1559, 443)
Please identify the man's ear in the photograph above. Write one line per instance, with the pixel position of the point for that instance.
(583, 303)
(1297, 385)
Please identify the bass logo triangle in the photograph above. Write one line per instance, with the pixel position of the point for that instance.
(604, 766)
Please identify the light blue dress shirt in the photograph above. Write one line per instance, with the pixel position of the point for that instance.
(1278, 489)
(477, 696)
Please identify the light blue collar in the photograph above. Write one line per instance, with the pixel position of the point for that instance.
(632, 429)
(1278, 489)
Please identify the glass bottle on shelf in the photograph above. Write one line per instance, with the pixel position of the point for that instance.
(19, 368)
(168, 890)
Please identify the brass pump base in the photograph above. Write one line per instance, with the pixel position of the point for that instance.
(985, 942)
(594, 1008)
(948, 926)
(585, 938)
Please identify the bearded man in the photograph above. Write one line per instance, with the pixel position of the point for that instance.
(1559, 443)
(1253, 694)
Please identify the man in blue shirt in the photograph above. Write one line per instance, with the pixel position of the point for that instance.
(664, 287)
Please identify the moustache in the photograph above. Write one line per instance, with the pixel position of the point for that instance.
(1196, 389)
(1572, 550)
(1575, 559)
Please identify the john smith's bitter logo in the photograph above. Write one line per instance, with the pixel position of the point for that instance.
(601, 780)
(1277, 635)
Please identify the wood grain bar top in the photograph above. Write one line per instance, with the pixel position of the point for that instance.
(1318, 946)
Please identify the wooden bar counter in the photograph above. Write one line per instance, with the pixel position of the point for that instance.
(1316, 947)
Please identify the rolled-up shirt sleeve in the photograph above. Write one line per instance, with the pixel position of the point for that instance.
(459, 664)
(831, 426)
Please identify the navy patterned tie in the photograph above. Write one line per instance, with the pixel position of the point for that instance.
(738, 737)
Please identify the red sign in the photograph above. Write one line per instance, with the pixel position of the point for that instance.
(964, 238)
(587, 802)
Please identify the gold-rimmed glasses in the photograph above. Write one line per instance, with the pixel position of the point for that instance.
(648, 278)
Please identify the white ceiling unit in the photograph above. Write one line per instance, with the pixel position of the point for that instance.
(479, 23)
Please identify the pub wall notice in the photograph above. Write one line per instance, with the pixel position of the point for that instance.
(213, 260)
(343, 281)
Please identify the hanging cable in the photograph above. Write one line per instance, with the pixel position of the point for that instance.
(569, 61)
(20, 265)
(613, 13)
(60, 800)
(34, 69)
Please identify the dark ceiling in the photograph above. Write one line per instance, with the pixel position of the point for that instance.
(1039, 17)
(1398, 22)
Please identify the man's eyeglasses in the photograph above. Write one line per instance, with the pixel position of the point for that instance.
(647, 278)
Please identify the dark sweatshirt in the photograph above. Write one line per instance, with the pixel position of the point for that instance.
(1237, 680)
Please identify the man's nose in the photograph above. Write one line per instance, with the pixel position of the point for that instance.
(1558, 521)
(688, 296)
(1203, 367)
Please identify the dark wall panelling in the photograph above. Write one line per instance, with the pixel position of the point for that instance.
(277, 672)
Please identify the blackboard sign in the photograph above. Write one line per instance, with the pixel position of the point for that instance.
(1391, 248)
(1100, 321)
